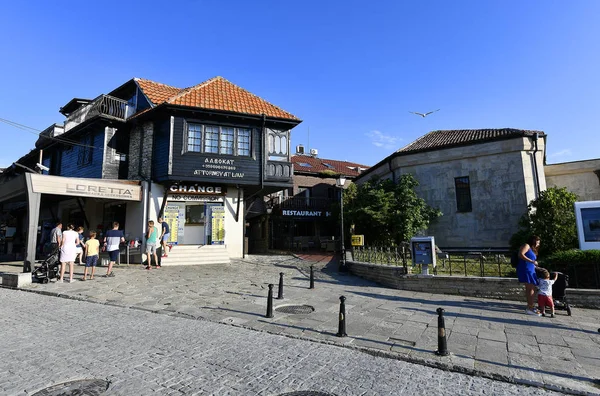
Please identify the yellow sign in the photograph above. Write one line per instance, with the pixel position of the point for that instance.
(218, 225)
(358, 240)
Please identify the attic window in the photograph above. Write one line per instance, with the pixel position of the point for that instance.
(328, 165)
(304, 164)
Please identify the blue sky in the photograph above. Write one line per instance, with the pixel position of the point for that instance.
(351, 70)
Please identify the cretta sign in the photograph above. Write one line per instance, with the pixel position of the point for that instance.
(99, 191)
(196, 189)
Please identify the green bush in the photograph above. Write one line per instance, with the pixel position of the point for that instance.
(582, 266)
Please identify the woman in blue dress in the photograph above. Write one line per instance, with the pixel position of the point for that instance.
(526, 271)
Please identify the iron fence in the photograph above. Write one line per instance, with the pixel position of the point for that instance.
(481, 263)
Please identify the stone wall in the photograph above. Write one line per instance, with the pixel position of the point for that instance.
(471, 286)
(579, 177)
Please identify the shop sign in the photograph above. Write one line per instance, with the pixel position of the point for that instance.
(219, 167)
(305, 213)
(86, 187)
(196, 189)
(195, 198)
(217, 225)
(358, 240)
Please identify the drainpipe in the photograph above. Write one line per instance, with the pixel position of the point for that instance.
(535, 167)
(391, 170)
(261, 153)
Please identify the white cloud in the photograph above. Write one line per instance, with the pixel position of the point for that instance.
(561, 153)
(382, 140)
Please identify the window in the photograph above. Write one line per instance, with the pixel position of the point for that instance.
(305, 164)
(84, 156)
(226, 146)
(328, 165)
(194, 214)
(218, 140)
(463, 194)
(278, 145)
(243, 142)
(194, 137)
(211, 139)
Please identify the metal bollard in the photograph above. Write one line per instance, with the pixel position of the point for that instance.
(312, 278)
(270, 302)
(442, 345)
(342, 327)
(280, 290)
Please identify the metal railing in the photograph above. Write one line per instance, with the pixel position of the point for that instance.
(303, 203)
(482, 263)
(105, 105)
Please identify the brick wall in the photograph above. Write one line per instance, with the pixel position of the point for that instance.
(497, 288)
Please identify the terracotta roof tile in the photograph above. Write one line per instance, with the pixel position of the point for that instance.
(157, 93)
(214, 94)
(317, 165)
(220, 94)
(450, 138)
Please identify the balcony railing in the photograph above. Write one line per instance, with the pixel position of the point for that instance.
(303, 203)
(103, 105)
(279, 171)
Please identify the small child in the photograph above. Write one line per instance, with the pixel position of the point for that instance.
(92, 247)
(545, 292)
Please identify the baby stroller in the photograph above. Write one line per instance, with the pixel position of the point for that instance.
(559, 293)
(49, 268)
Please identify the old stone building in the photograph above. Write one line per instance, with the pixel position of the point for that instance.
(482, 181)
(579, 177)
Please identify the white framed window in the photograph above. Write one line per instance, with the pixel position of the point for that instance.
(215, 139)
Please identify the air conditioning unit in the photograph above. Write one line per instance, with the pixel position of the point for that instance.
(314, 152)
(299, 149)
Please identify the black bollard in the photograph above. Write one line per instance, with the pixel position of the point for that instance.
(342, 327)
(280, 290)
(442, 345)
(270, 303)
(312, 278)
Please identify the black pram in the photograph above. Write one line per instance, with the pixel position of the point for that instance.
(559, 290)
(49, 268)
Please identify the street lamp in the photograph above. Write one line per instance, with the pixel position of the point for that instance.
(340, 183)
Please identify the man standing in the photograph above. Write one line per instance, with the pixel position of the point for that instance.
(56, 236)
(164, 236)
(112, 239)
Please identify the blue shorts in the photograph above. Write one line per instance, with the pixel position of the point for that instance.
(91, 261)
(113, 255)
(166, 237)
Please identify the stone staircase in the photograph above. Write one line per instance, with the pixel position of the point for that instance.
(196, 255)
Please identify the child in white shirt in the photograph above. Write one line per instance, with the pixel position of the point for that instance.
(545, 292)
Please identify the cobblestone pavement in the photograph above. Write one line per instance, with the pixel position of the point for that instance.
(48, 341)
(486, 337)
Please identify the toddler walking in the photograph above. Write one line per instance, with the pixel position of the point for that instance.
(545, 292)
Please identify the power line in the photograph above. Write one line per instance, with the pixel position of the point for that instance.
(39, 134)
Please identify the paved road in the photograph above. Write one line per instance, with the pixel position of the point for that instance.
(47, 341)
(487, 337)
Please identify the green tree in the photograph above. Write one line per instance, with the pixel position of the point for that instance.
(551, 216)
(387, 212)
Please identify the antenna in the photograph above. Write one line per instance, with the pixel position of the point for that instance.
(308, 144)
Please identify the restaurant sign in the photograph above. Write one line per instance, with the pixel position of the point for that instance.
(305, 213)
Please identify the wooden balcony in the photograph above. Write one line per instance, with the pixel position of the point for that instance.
(279, 171)
(104, 106)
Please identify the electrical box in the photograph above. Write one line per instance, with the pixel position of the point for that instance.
(423, 252)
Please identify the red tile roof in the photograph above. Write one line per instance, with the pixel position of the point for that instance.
(462, 137)
(214, 94)
(157, 93)
(317, 165)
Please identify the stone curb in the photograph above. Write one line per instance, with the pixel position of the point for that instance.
(370, 351)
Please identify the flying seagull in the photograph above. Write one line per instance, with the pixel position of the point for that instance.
(424, 115)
